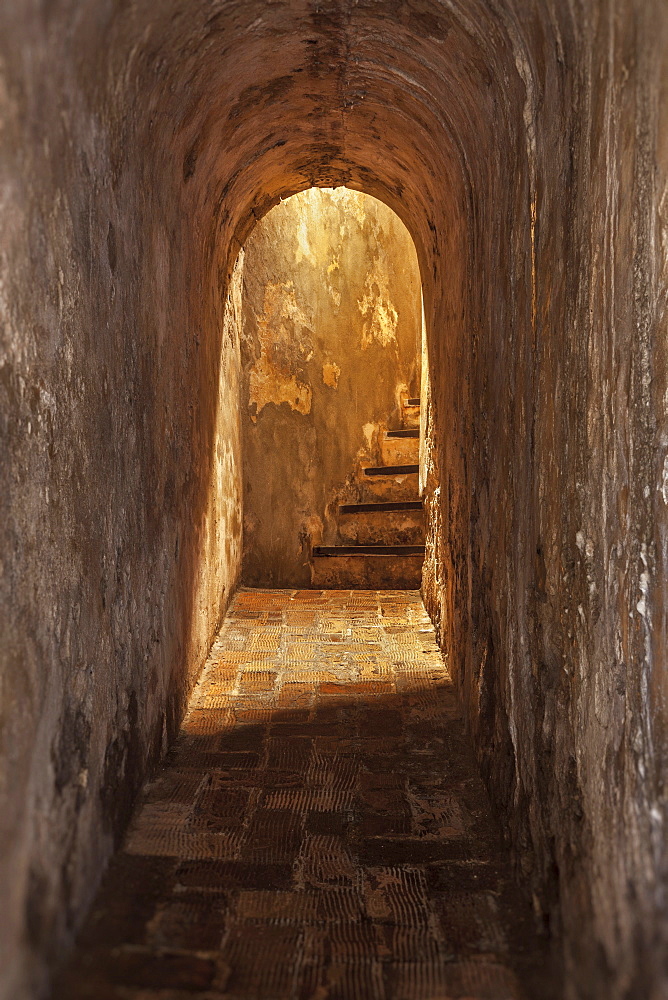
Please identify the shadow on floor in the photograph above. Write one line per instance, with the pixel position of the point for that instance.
(318, 832)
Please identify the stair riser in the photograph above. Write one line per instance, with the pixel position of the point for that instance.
(388, 488)
(368, 572)
(411, 416)
(400, 451)
(399, 528)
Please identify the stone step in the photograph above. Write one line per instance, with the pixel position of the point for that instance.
(411, 414)
(392, 470)
(404, 432)
(399, 451)
(367, 572)
(368, 550)
(384, 489)
(399, 527)
(380, 507)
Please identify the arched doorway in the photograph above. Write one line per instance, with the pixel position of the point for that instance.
(331, 365)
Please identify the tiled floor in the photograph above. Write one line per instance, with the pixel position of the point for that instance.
(319, 832)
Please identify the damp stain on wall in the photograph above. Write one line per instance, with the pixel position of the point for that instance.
(284, 345)
(330, 374)
(380, 317)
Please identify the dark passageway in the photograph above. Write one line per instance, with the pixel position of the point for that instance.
(524, 145)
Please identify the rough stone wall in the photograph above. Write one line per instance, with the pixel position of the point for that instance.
(331, 327)
(120, 527)
(524, 146)
(548, 545)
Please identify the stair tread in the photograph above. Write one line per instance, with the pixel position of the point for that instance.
(391, 470)
(405, 432)
(380, 506)
(368, 550)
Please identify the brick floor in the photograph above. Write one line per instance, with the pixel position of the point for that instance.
(319, 832)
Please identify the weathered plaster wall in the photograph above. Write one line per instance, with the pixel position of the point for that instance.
(524, 145)
(331, 327)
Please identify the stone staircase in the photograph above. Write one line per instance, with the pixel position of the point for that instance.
(378, 533)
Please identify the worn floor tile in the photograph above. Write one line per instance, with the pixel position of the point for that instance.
(319, 831)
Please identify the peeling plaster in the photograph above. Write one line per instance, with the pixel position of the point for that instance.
(380, 315)
(330, 374)
(280, 330)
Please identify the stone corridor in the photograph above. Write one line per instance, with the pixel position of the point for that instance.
(319, 831)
